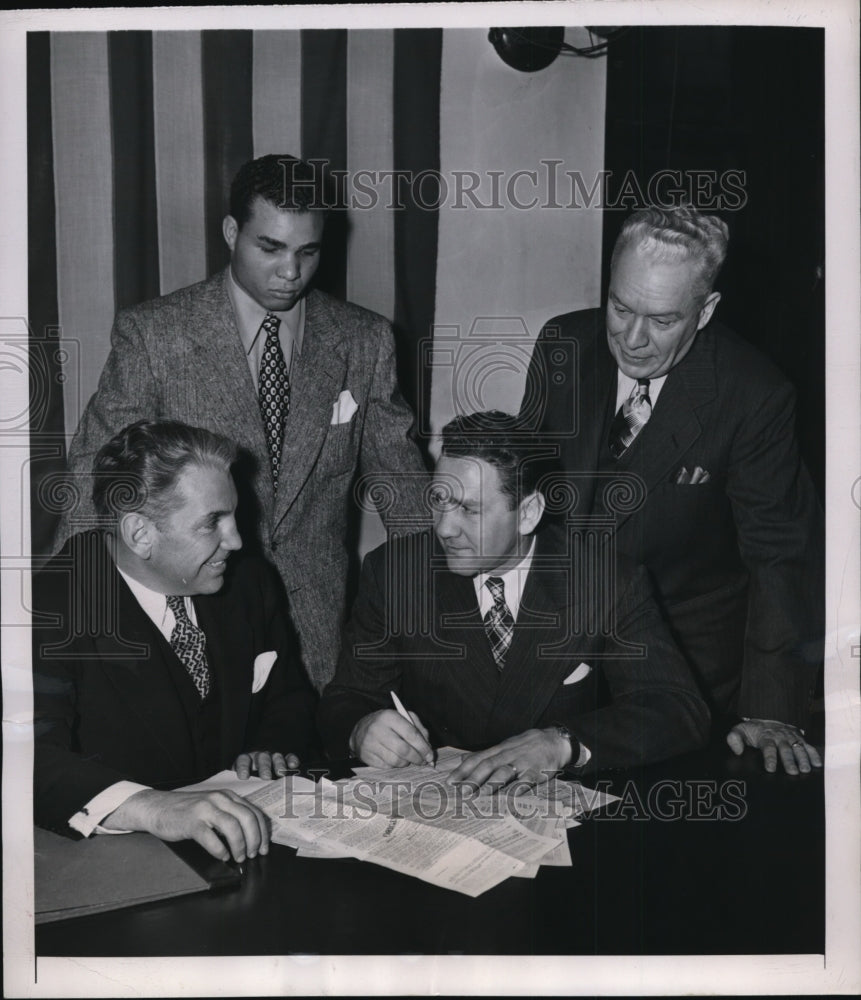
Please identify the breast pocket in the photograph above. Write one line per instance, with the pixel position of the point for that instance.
(339, 451)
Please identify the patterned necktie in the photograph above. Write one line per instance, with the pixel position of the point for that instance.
(189, 644)
(499, 621)
(633, 415)
(273, 391)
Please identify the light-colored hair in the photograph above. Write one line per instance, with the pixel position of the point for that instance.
(678, 234)
(138, 469)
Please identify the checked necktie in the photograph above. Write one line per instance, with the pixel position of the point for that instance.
(499, 621)
(633, 415)
(273, 391)
(189, 644)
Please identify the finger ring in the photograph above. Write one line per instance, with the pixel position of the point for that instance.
(513, 768)
(797, 743)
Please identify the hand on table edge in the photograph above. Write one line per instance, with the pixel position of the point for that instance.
(267, 764)
(776, 740)
(220, 821)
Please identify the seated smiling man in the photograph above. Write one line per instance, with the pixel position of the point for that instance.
(480, 631)
(156, 661)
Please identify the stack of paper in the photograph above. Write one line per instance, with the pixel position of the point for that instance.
(411, 820)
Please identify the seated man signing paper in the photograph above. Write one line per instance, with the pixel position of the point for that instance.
(158, 660)
(487, 635)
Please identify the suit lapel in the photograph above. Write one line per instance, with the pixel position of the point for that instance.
(674, 425)
(456, 611)
(229, 653)
(317, 378)
(530, 679)
(596, 380)
(224, 368)
(143, 682)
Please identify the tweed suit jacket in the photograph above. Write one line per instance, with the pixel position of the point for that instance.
(180, 357)
(629, 696)
(737, 562)
(112, 700)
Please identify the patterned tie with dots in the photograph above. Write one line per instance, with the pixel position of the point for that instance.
(499, 621)
(632, 416)
(273, 391)
(189, 644)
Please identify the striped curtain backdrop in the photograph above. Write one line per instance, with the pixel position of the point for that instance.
(133, 140)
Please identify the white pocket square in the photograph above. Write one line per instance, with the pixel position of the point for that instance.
(578, 674)
(344, 408)
(262, 667)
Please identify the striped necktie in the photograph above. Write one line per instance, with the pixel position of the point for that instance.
(633, 415)
(499, 621)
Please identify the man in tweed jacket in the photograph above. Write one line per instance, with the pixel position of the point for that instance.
(195, 356)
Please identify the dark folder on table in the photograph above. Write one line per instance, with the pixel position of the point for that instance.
(78, 877)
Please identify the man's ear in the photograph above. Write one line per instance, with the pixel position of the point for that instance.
(707, 309)
(136, 532)
(531, 509)
(230, 229)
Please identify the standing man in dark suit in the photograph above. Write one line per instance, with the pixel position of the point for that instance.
(304, 383)
(156, 661)
(730, 529)
(487, 635)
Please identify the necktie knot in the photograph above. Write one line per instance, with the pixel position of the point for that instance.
(496, 586)
(631, 417)
(176, 604)
(271, 323)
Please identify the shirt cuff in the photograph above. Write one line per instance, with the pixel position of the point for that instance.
(88, 818)
(584, 758)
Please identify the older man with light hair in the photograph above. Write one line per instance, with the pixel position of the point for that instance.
(730, 528)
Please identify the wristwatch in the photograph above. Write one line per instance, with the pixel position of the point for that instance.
(573, 742)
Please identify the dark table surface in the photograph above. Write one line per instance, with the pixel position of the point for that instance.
(705, 854)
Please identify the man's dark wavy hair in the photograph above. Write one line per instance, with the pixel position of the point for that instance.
(288, 183)
(500, 439)
(138, 469)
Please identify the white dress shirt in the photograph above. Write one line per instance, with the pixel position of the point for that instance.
(249, 315)
(514, 582)
(625, 386)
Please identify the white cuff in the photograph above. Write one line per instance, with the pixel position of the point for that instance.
(585, 756)
(88, 818)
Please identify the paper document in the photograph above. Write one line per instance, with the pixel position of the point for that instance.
(411, 820)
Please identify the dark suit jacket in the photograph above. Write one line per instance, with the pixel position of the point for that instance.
(113, 701)
(416, 629)
(737, 562)
(180, 357)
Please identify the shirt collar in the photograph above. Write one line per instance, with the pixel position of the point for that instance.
(625, 385)
(250, 314)
(514, 580)
(153, 603)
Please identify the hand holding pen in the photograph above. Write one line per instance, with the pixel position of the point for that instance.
(392, 738)
(414, 719)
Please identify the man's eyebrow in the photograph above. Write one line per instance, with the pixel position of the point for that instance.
(674, 314)
(281, 245)
(213, 515)
(270, 241)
